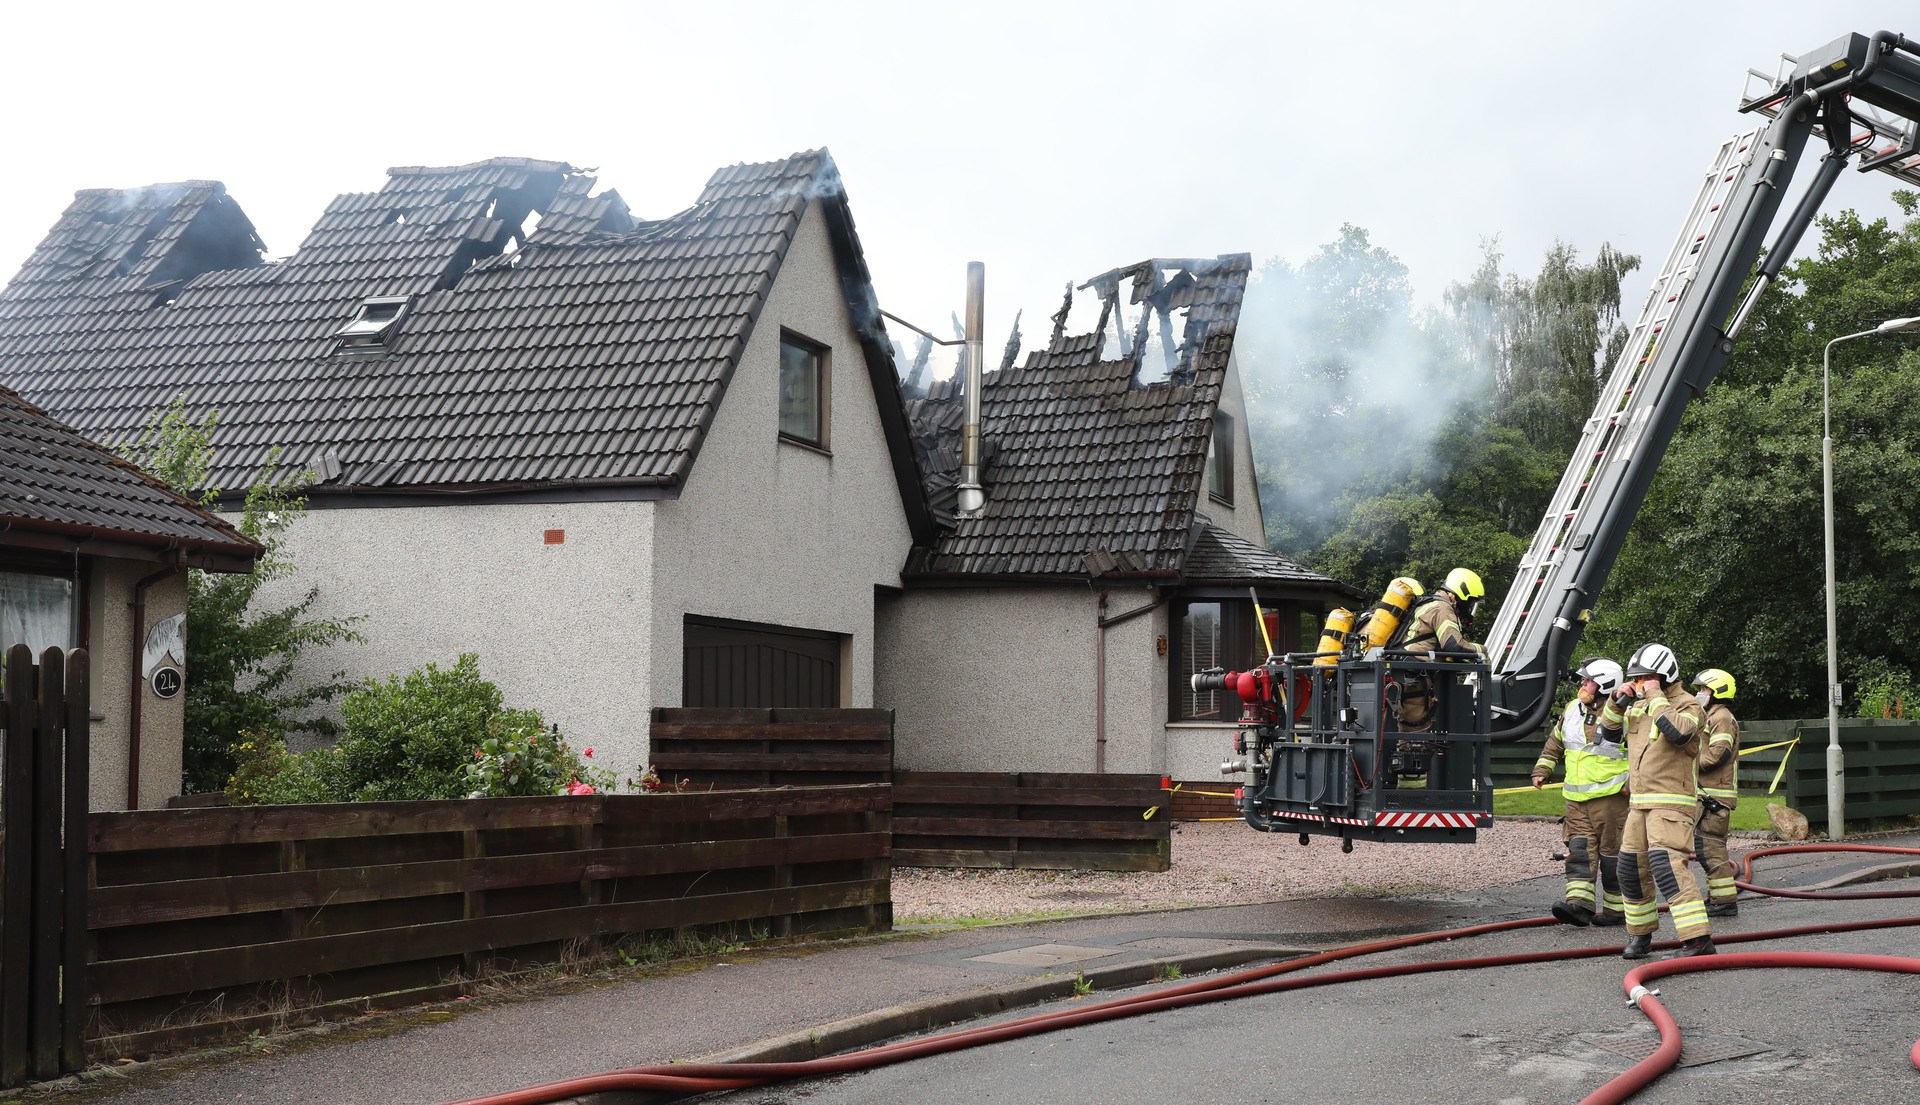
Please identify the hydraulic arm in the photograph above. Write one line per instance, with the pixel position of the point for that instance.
(1322, 742)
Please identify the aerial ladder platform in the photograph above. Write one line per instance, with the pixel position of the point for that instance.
(1319, 750)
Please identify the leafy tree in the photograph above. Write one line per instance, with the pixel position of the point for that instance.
(1724, 563)
(240, 678)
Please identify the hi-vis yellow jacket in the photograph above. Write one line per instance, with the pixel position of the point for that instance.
(1595, 768)
(1663, 745)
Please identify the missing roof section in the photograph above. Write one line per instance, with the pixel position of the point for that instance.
(373, 325)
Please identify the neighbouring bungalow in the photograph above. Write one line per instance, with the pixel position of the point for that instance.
(94, 554)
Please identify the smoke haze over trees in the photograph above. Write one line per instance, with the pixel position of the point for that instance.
(1397, 441)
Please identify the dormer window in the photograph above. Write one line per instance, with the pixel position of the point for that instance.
(373, 324)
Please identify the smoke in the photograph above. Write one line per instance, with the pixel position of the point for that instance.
(1348, 390)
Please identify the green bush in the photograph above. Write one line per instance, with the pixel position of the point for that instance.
(265, 773)
(1886, 691)
(411, 738)
(519, 758)
(437, 733)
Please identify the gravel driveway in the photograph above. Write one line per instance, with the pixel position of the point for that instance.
(1230, 864)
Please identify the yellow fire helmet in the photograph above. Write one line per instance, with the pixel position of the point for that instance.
(1717, 681)
(1465, 582)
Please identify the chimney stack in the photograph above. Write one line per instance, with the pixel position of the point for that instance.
(972, 498)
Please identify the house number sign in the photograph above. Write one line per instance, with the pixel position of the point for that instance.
(166, 682)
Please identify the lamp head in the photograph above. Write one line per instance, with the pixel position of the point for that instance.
(1897, 325)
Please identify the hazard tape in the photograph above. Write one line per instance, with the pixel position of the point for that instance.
(1784, 760)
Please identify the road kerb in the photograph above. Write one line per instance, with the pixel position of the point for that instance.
(923, 1016)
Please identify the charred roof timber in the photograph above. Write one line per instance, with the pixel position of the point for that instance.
(1122, 485)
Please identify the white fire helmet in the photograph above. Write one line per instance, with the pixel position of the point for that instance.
(1604, 673)
(1653, 659)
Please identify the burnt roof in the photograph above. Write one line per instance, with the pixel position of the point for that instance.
(1091, 469)
(590, 360)
(62, 492)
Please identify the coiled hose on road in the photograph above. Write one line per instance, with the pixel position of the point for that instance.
(692, 1078)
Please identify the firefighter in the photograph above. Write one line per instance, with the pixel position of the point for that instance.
(1595, 787)
(1439, 622)
(1661, 725)
(1719, 790)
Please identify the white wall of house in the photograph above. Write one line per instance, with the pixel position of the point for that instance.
(1003, 678)
(114, 643)
(563, 628)
(1243, 516)
(778, 533)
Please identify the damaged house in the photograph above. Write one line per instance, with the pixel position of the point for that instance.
(627, 462)
(1116, 553)
(637, 463)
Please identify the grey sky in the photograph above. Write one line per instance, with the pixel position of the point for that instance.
(1050, 140)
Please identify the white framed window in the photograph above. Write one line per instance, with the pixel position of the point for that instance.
(803, 390)
(374, 323)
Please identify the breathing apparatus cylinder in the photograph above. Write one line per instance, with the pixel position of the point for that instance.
(1333, 637)
(1393, 606)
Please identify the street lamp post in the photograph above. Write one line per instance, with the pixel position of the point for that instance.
(1836, 760)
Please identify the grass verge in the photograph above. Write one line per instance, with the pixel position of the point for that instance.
(1751, 813)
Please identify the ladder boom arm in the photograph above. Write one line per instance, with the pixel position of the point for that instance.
(1684, 335)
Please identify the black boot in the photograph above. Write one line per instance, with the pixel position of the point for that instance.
(1608, 918)
(1639, 946)
(1724, 907)
(1569, 912)
(1699, 945)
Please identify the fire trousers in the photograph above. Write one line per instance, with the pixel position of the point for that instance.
(1653, 858)
(1592, 830)
(1710, 844)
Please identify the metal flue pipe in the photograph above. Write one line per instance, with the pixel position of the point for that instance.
(972, 497)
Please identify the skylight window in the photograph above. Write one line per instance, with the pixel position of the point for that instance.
(373, 324)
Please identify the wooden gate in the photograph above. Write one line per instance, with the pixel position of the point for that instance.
(43, 866)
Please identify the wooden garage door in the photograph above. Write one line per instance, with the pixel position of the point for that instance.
(752, 666)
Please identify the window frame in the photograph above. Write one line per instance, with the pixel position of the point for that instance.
(1220, 459)
(1240, 646)
(372, 326)
(823, 392)
(52, 565)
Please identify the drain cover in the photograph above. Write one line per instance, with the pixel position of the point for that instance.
(1695, 1050)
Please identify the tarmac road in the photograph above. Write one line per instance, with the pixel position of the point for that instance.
(1516, 1034)
(1508, 1035)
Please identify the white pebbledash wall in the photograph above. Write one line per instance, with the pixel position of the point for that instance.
(588, 631)
(1002, 679)
(775, 532)
(562, 628)
(113, 643)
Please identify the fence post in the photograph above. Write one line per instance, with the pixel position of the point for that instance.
(78, 869)
(47, 761)
(16, 905)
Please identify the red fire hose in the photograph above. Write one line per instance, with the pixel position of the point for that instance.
(708, 1077)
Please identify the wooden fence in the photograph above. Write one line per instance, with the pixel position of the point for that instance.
(728, 749)
(1882, 765)
(43, 886)
(1031, 820)
(207, 922)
